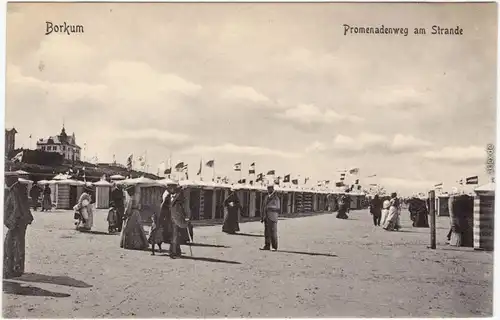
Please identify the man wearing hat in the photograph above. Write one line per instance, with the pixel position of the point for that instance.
(17, 217)
(175, 206)
(270, 211)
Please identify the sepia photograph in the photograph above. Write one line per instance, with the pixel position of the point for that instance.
(249, 160)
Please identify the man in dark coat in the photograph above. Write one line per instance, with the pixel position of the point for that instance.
(35, 195)
(119, 204)
(376, 210)
(232, 207)
(175, 206)
(17, 217)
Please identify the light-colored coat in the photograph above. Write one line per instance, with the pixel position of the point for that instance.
(272, 207)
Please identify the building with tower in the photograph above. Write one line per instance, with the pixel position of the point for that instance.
(62, 144)
(10, 140)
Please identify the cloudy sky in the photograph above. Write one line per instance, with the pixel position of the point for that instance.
(278, 84)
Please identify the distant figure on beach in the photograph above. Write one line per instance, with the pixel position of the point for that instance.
(376, 210)
(392, 220)
(133, 236)
(84, 211)
(270, 211)
(418, 212)
(117, 198)
(46, 200)
(232, 208)
(344, 205)
(17, 217)
(35, 195)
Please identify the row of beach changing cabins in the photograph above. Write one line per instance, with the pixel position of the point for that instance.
(204, 198)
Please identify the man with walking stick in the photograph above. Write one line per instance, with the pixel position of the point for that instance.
(175, 202)
(270, 212)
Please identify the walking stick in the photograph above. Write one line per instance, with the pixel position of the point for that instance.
(190, 240)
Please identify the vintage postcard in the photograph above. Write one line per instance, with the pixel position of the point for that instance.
(249, 160)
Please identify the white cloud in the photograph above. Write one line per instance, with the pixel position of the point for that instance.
(311, 114)
(405, 185)
(244, 93)
(229, 148)
(316, 146)
(369, 142)
(160, 135)
(408, 143)
(458, 155)
(62, 92)
(394, 97)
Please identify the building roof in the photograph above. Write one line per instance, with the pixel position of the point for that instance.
(62, 138)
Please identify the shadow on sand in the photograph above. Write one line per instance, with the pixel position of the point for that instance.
(102, 233)
(208, 245)
(249, 234)
(27, 290)
(309, 253)
(58, 280)
(207, 259)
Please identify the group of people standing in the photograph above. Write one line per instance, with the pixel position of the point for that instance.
(271, 207)
(45, 193)
(386, 212)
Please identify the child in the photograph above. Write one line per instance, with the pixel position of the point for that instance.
(156, 234)
(112, 220)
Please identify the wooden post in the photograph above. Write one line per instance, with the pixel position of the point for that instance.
(432, 213)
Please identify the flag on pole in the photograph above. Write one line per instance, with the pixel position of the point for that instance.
(371, 176)
(305, 180)
(179, 167)
(271, 173)
(295, 181)
(18, 157)
(472, 180)
(168, 171)
(342, 176)
(354, 171)
(129, 162)
(357, 181)
(237, 166)
(286, 179)
(252, 168)
(210, 163)
(199, 170)
(438, 186)
(260, 177)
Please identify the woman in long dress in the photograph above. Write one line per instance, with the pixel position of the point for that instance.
(86, 211)
(232, 208)
(392, 221)
(46, 200)
(133, 236)
(385, 211)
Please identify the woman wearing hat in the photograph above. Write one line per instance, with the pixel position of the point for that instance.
(133, 236)
(233, 207)
(84, 210)
(392, 221)
(17, 217)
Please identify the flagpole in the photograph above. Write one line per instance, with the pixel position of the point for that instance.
(213, 171)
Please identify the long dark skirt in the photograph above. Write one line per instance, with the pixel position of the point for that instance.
(421, 220)
(231, 224)
(14, 252)
(342, 214)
